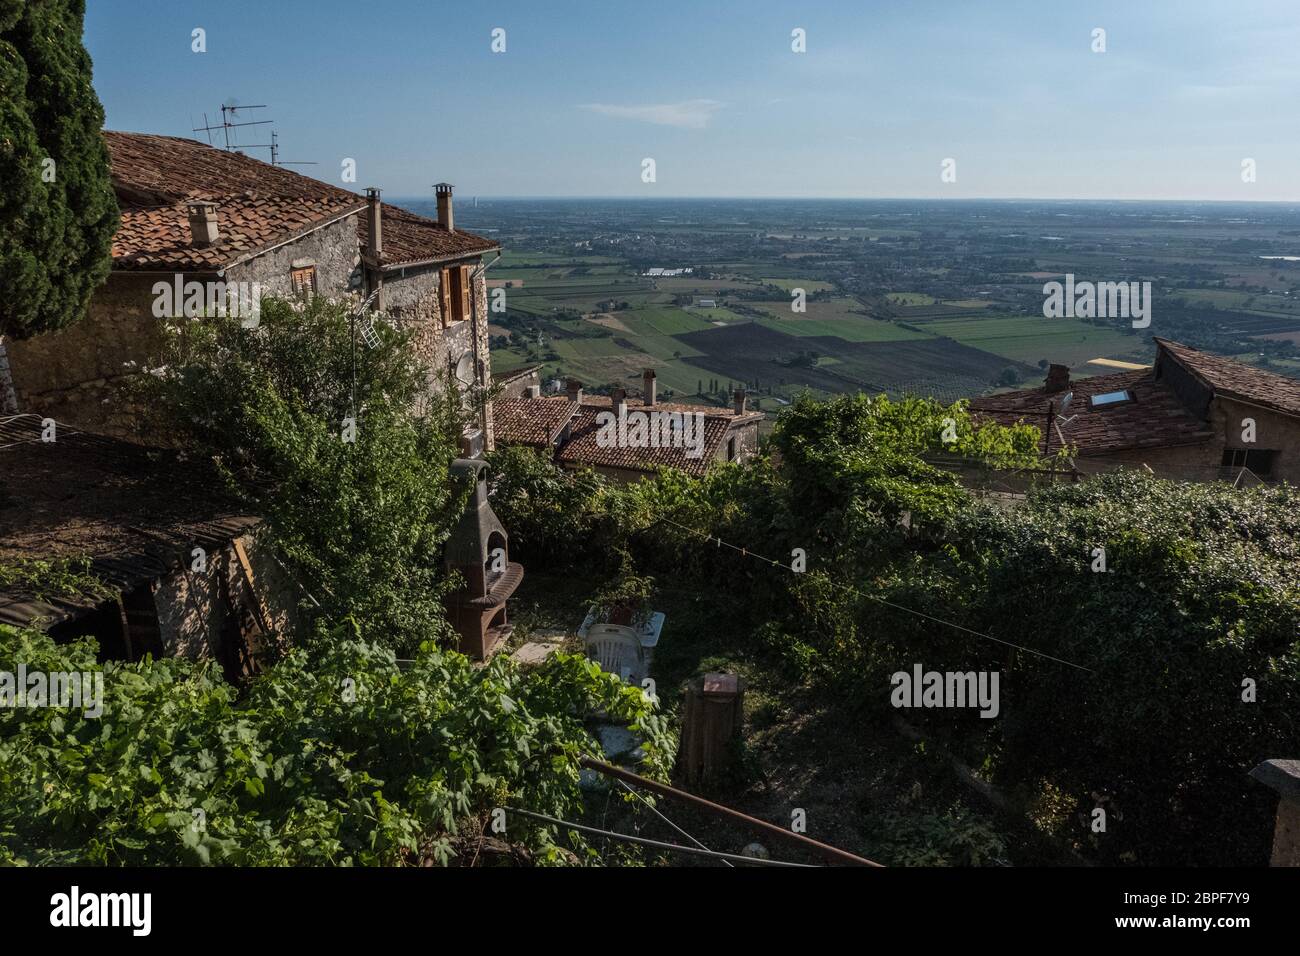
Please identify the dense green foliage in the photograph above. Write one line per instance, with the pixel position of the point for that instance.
(56, 222)
(1202, 592)
(332, 757)
(362, 522)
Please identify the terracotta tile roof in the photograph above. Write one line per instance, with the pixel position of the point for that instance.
(1232, 379)
(531, 421)
(132, 511)
(409, 238)
(1154, 418)
(259, 205)
(539, 421)
(728, 414)
(583, 449)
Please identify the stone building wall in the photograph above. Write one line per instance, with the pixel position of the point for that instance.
(1198, 462)
(412, 299)
(1280, 433)
(1204, 461)
(193, 618)
(73, 375)
(746, 437)
(332, 249)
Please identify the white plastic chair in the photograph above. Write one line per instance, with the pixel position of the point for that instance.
(617, 650)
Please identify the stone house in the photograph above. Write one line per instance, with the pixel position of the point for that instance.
(192, 212)
(1193, 416)
(182, 571)
(573, 428)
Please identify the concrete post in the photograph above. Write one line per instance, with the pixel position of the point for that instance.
(1284, 777)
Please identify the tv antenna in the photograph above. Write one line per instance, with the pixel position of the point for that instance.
(228, 124)
(229, 113)
(275, 154)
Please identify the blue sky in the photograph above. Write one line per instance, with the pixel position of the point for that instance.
(712, 92)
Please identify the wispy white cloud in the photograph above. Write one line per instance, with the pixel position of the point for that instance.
(690, 114)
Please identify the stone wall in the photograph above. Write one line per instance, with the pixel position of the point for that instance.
(746, 437)
(1180, 463)
(192, 616)
(412, 299)
(1280, 433)
(74, 375)
(515, 384)
(333, 250)
(1204, 461)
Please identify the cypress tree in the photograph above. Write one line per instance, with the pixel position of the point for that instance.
(57, 208)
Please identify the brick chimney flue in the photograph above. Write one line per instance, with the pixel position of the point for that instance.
(445, 217)
(740, 401)
(574, 388)
(203, 223)
(649, 386)
(1058, 379)
(618, 398)
(375, 221)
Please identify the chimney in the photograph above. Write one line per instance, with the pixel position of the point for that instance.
(375, 222)
(740, 401)
(574, 388)
(649, 386)
(443, 191)
(534, 391)
(203, 223)
(618, 398)
(1058, 379)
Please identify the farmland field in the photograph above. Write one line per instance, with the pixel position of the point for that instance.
(939, 297)
(1030, 338)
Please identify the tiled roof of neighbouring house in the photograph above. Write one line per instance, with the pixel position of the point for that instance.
(259, 205)
(1232, 379)
(1154, 418)
(531, 421)
(540, 421)
(409, 238)
(583, 449)
(133, 511)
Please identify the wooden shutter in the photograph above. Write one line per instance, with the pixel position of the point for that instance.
(444, 296)
(304, 280)
(466, 290)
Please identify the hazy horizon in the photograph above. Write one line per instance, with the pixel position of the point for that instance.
(849, 100)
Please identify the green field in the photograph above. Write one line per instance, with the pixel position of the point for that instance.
(808, 285)
(1030, 338)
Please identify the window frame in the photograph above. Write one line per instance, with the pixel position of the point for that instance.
(1126, 398)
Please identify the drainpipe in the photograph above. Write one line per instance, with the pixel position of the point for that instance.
(474, 329)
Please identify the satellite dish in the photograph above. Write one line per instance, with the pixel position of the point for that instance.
(465, 368)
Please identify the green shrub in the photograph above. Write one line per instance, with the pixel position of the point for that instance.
(333, 758)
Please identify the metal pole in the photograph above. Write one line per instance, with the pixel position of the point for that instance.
(822, 849)
(657, 844)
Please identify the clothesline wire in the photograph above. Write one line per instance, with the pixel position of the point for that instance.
(873, 597)
(657, 844)
(655, 810)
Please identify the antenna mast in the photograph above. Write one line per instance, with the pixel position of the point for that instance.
(229, 113)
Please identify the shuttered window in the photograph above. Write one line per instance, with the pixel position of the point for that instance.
(455, 294)
(304, 281)
(466, 309)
